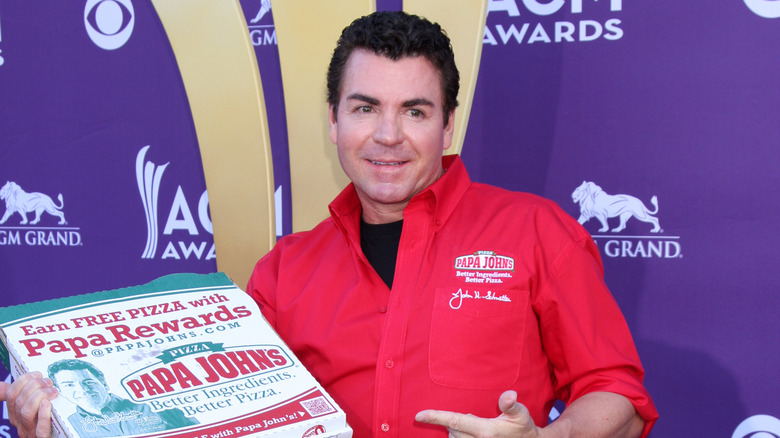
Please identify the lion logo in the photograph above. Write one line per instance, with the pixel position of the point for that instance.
(595, 202)
(19, 201)
(265, 7)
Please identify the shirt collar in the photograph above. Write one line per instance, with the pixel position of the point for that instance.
(110, 407)
(448, 190)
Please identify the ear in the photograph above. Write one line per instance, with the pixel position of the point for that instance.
(332, 125)
(449, 130)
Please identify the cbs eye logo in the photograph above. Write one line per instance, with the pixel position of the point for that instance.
(764, 8)
(758, 426)
(109, 23)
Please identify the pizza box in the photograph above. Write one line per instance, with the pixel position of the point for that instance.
(186, 355)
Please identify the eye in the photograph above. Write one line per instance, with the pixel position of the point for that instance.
(364, 109)
(416, 113)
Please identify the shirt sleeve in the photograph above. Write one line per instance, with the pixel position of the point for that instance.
(263, 282)
(585, 334)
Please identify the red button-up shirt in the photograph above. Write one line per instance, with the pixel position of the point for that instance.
(493, 290)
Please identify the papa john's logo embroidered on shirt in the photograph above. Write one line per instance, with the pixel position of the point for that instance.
(485, 261)
(484, 267)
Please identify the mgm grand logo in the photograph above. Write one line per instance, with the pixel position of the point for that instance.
(596, 203)
(31, 232)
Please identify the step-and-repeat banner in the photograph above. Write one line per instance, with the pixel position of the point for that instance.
(656, 124)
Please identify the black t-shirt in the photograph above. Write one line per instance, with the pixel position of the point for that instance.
(380, 245)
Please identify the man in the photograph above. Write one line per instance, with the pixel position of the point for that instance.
(102, 414)
(99, 413)
(425, 298)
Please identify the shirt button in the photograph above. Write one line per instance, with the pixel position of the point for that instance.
(385, 427)
(389, 363)
(382, 309)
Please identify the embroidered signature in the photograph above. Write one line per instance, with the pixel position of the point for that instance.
(457, 297)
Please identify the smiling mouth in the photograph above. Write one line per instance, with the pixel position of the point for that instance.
(387, 163)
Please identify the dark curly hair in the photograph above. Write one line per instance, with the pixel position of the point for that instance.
(74, 364)
(395, 35)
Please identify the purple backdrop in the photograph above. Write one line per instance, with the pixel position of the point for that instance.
(73, 119)
(677, 101)
(79, 100)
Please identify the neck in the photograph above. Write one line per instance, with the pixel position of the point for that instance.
(93, 409)
(383, 214)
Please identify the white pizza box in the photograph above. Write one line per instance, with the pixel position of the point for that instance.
(186, 355)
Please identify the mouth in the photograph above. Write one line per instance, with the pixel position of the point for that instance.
(386, 163)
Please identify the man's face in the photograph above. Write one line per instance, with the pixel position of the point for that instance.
(82, 388)
(389, 131)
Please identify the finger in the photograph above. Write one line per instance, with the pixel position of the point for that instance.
(43, 428)
(21, 390)
(4, 390)
(13, 393)
(28, 412)
(453, 421)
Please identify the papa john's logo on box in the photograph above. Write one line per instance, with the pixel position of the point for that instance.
(595, 203)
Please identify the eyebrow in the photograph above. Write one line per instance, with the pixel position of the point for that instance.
(364, 98)
(373, 101)
(418, 102)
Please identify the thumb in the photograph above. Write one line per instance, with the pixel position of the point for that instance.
(509, 405)
(516, 413)
(4, 391)
(43, 427)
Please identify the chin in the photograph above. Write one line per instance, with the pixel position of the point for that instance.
(393, 198)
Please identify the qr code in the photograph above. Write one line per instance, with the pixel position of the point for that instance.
(317, 406)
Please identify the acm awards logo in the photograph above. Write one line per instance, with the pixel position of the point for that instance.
(180, 219)
(613, 213)
(524, 30)
(262, 31)
(41, 219)
(109, 23)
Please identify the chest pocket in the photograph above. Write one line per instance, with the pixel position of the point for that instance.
(477, 337)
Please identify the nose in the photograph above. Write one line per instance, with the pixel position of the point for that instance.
(389, 130)
(80, 390)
